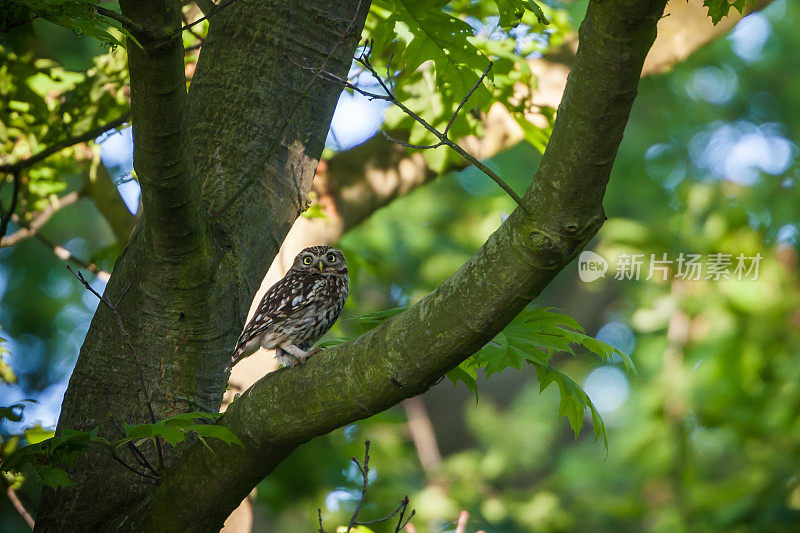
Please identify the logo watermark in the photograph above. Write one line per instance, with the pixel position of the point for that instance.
(591, 266)
(684, 266)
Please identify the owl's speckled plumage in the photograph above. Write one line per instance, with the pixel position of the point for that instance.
(298, 309)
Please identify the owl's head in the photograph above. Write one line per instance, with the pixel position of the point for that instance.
(321, 260)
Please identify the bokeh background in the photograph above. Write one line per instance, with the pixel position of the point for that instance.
(705, 438)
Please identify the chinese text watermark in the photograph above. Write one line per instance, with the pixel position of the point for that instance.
(684, 266)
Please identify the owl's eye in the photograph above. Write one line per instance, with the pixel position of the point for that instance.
(331, 258)
(307, 260)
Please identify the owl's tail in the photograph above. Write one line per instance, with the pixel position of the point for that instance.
(243, 349)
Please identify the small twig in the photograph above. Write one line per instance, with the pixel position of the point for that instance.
(132, 351)
(464, 100)
(134, 28)
(402, 525)
(29, 230)
(128, 288)
(6, 217)
(190, 30)
(390, 96)
(211, 12)
(129, 467)
(19, 507)
(142, 458)
(461, 524)
(409, 145)
(403, 504)
(303, 95)
(319, 518)
(65, 143)
(65, 255)
(364, 469)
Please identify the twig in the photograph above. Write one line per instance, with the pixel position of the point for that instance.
(464, 100)
(129, 467)
(19, 507)
(364, 469)
(403, 504)
(6, 217)
(190, 30)
(39, 220)
(444, 140)
(65, 255)
(65, 143)
(461, 524)
(211, 12)
(319, 518)
(134, 28)
(132, 351)
(142, 458)
(402, 525)
(354, 521)
(274, 144)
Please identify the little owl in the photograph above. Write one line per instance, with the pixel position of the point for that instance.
(298, 309)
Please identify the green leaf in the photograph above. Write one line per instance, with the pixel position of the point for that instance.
(512, 11)
(717, 9)
(169, 433)
(218, 432)
(535, 335)
(373, 320)
(80, 17)
(465, 374)
(574, 401)
(54, 477)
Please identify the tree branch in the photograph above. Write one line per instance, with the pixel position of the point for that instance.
(389, 96)
(40, 219)
(67, 256)
(19, 507)
(135, 29)
(170, 198)
(400, 358)
(65, 143)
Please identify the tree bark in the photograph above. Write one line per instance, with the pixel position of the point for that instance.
(402, 357)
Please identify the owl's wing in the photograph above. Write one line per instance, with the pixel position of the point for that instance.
(286, 298)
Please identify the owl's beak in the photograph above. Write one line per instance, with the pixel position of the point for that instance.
(320, 266)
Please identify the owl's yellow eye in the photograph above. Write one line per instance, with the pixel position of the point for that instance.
(307, 260)
(331, 258)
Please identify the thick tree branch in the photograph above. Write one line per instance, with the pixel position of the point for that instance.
(402, 357)
(170, 198)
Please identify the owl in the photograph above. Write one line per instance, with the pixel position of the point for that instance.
(298, 309)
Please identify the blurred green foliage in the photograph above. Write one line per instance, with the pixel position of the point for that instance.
(705, 438)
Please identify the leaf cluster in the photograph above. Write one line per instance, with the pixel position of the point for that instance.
(534, 337)
(49, 457)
